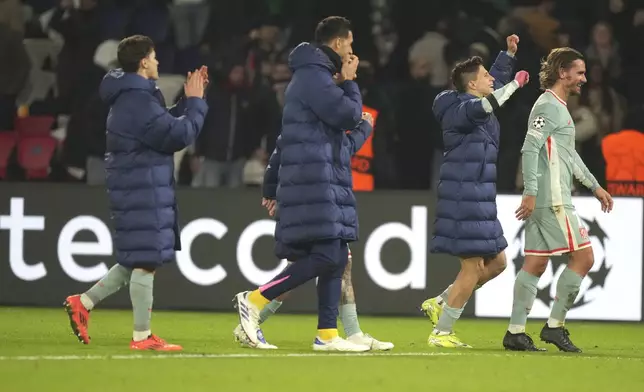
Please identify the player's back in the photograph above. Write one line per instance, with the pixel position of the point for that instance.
(551, 133)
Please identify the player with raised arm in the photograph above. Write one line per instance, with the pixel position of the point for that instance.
(549, 162)
(466, 224)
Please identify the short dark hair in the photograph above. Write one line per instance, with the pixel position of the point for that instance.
(558, 58)
(132, 50)
(331, 28)
(464, 72)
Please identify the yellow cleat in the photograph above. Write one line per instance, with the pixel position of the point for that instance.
(446, 340)
(432, 309)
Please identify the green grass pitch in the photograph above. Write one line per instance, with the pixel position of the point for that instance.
(38, 353)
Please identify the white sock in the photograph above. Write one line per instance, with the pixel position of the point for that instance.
(514, 329)
(553, 323)
(138, 336)
(87, 303)
(442, 297)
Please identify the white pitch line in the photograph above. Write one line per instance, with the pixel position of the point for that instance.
(295, 355)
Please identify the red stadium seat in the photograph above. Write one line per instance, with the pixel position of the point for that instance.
(7, 144)
(34, 126)
(34, 155)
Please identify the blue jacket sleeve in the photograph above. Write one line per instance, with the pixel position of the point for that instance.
(269, 188)
(179, 108)
(338, 106)
(169, 134)
(502, 69)
(459, 115)
(359, 136)
(469, 113)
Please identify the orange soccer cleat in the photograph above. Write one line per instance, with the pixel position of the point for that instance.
(78, 317)
(154, 343)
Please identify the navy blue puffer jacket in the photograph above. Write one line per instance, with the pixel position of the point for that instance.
(309, 172)
(142, 136)
(466, 216)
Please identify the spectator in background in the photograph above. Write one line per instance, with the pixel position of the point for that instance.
(263, 51)
(232, 131)
(588, 139)
(605, 50)
(633, 64)
(541, 24)
(384, 135)
(272, 103)
(229, 20)
(418, 132)
(11, 16)
(40, 6)
(280, 78)
(14, 73)
(80, 29)
(84, 145)
(571, 34)
(150, 18)
(429, 50)
(586, 122)
(189, 18)
(603, 100)
(481, 50)
(255, 167)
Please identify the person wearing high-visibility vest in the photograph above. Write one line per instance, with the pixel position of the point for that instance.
(362, 161)
(623, 152)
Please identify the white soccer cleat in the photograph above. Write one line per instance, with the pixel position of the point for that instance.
(338, 344)
(364, 339)
(241, 338)
(244, 341)
(248, 317)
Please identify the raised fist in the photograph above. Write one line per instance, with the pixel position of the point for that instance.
(513, 43)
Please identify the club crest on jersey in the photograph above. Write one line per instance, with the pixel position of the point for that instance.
(538, 123)
(583, 231)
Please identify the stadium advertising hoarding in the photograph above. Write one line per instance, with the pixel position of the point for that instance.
(56, 240)
(613, 288)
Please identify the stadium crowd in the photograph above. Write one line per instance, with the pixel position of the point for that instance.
(55, 53)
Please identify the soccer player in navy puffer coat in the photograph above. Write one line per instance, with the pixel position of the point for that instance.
(142, 137)
(316, 214)
(466, 222)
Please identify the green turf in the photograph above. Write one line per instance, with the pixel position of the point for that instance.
(613, 357)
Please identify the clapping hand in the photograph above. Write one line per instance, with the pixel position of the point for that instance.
(194, 85)
(204, 74)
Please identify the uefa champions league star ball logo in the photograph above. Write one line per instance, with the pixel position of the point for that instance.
(538, 123)
(598, 278)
